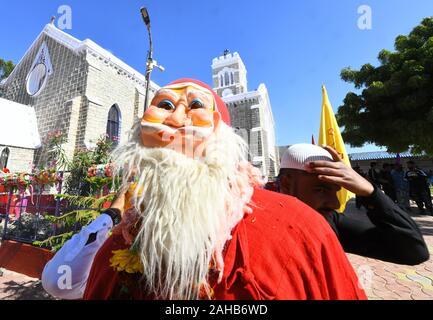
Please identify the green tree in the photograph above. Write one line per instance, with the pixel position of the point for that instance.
(6, 68)
(395, 107)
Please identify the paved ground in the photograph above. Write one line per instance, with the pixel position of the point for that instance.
(15, 286)
(381, 280)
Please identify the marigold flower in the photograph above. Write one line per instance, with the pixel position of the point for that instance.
(126, 260)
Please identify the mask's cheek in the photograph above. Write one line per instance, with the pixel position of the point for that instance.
(155, 115)
(202, 118)
(153, 139)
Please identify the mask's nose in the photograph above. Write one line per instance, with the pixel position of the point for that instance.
(178, 118)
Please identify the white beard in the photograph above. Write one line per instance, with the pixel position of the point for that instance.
(188, 209)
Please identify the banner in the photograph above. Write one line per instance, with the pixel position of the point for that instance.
(330, 135)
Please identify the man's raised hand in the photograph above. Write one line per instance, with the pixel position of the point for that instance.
(339, 173)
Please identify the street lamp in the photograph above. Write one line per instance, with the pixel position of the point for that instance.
(150, 64)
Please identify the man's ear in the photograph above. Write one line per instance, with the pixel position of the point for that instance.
(285, 183)
(216, 120)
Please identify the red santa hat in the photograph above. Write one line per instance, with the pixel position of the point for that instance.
(220, 105)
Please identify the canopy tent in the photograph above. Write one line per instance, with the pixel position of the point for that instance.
(18, 125)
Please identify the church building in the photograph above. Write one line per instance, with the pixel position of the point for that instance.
(250, 111)
(72, 86)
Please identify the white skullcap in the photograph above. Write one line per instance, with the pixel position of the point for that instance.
(299, 155)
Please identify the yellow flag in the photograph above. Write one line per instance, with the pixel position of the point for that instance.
(330, 135)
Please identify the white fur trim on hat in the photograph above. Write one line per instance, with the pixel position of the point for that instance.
(299, 155)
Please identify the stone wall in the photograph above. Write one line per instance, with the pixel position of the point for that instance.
(245, 118)
(107, 86)
(53, 105)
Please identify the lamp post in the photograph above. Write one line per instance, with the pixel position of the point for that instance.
(150, 64)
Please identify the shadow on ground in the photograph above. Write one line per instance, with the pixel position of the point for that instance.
(29, 290)
(426, 227)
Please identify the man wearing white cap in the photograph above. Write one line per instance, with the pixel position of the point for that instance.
(314, 175)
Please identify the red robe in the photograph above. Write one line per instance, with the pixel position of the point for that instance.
(283, 250)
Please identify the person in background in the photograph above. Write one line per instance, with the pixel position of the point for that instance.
(374, 174)
(430, 177)
(418, 188)
(430, 182)
(401, 186)
(387, 182)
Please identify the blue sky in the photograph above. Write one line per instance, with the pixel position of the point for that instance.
(292, 46)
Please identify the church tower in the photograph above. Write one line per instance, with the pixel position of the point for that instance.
(229, 75)
(250, 111)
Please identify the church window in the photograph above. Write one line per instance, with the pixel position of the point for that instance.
(226, 79)
(113, 124)
(36, 79)
(4, 157)
(232, 78)
(259, 145)
(222, 81)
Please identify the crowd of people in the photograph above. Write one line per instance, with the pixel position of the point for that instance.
(402, 185)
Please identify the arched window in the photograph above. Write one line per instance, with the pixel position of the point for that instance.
(226, 79)
(4, 157)
(232, 78)
(113, 124)
(222, 81)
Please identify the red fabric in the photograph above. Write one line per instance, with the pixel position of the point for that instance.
(283, 250)
(221, 106)
(103, 279)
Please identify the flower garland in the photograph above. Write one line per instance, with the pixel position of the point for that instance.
(20, 181)
(46, 177)
(23, 180)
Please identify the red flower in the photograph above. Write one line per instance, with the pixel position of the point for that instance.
(91, 172)
(108, 172)
(6, 170)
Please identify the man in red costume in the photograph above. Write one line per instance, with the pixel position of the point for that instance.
(195, 223)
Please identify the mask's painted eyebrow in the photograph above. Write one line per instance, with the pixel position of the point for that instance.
(168, 92)
(208, 98)
(201, 93)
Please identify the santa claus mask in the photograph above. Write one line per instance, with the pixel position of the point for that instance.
(182, 116)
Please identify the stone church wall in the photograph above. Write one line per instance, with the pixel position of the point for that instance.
(67, 82)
